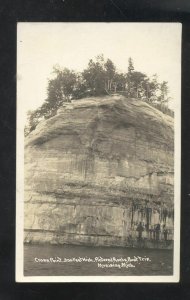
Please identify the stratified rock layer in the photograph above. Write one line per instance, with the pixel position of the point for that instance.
(96, 170)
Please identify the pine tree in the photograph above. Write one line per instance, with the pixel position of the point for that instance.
(130, 65)
(130, 86)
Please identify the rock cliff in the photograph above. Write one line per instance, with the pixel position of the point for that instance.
(98, 169)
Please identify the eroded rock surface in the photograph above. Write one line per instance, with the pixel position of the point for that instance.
(96, 170)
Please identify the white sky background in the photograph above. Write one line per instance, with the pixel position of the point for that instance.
(154, 48)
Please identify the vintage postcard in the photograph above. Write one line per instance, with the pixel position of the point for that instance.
(98, 152)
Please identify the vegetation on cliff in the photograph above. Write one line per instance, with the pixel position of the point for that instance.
(100, 78)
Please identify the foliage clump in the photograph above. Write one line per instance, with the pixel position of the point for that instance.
(101, 77)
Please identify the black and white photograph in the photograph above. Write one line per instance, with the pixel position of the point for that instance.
(98, 152)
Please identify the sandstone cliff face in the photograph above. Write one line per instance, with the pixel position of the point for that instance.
(96, 170)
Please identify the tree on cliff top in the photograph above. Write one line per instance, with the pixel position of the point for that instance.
(94, 76)
(130, 66)
(33, 118)
(61, 87)
(65, 86)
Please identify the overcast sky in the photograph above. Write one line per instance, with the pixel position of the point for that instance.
(154, 48)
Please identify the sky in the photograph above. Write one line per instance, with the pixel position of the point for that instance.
(154, 48)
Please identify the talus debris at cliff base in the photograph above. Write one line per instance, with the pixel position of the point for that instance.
(99, 170)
